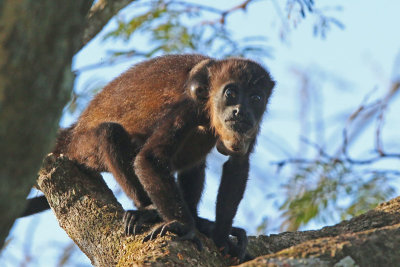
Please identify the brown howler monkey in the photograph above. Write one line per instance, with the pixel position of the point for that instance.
(162, 117)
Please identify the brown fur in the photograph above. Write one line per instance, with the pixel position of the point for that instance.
(164, 116)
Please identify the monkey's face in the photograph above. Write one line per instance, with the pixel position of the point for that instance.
(239, 110)
(238, 102)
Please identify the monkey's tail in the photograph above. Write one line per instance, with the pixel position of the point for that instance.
(63, 140)
(35, 205)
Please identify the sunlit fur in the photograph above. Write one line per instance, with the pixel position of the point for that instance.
(162, 117)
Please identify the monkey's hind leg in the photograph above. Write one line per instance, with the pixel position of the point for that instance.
(118, 151)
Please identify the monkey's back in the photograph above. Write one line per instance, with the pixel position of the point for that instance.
(137, 100)
(141, 95)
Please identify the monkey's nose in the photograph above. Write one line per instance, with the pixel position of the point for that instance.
(240, 112)
(236, 111)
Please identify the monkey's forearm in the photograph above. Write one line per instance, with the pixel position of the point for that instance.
(154, 168)
(230, 193)
(162, 189)
(191, 183)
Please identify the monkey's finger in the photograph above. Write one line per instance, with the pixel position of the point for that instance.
(153, 234)
(240, 234)
(128, 216)
(242, 240)
(125, 217)
(174, 227)
(131, 225)
(147, 237)
(164, 230)
(125, 221)
(169, 228)
(137, 228)
(130, 219)
(237, 251)
(128, 227)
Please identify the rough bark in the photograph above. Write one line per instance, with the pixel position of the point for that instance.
(89, 213)
(37, 42)
(371, 239)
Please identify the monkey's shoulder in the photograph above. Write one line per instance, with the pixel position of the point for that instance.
(194, 147)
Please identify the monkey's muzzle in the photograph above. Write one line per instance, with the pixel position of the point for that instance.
(240, 126)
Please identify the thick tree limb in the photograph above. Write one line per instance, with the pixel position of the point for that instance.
(99, 15)
(85, 208)
(370, 239)
(92, 217)
(88, 211)
(37, 42)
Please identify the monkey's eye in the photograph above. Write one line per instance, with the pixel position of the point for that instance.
(256, 98)
(230, 92)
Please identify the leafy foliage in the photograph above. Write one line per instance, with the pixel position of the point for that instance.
(297, 10)
(325, 188)
(176, 27)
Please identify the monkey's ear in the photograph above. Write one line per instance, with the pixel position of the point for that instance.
(198, 80)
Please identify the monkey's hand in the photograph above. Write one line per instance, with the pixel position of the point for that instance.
(136, 220)
(237, 251)
(206, 227)
(184, 231)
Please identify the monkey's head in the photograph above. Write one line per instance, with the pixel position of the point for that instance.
(235, 93)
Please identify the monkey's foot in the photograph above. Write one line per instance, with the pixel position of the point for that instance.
(184, 232)
(136, 220)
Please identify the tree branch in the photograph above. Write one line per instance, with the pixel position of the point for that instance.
(366, 240)
(99, 15)
(85, 208)
(37, 42)
(92, 217)
(88, 211)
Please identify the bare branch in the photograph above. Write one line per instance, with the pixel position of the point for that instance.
(225, 13)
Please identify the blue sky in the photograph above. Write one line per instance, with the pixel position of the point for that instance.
(361, 57)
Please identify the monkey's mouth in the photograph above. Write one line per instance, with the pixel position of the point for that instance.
(240, 126)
